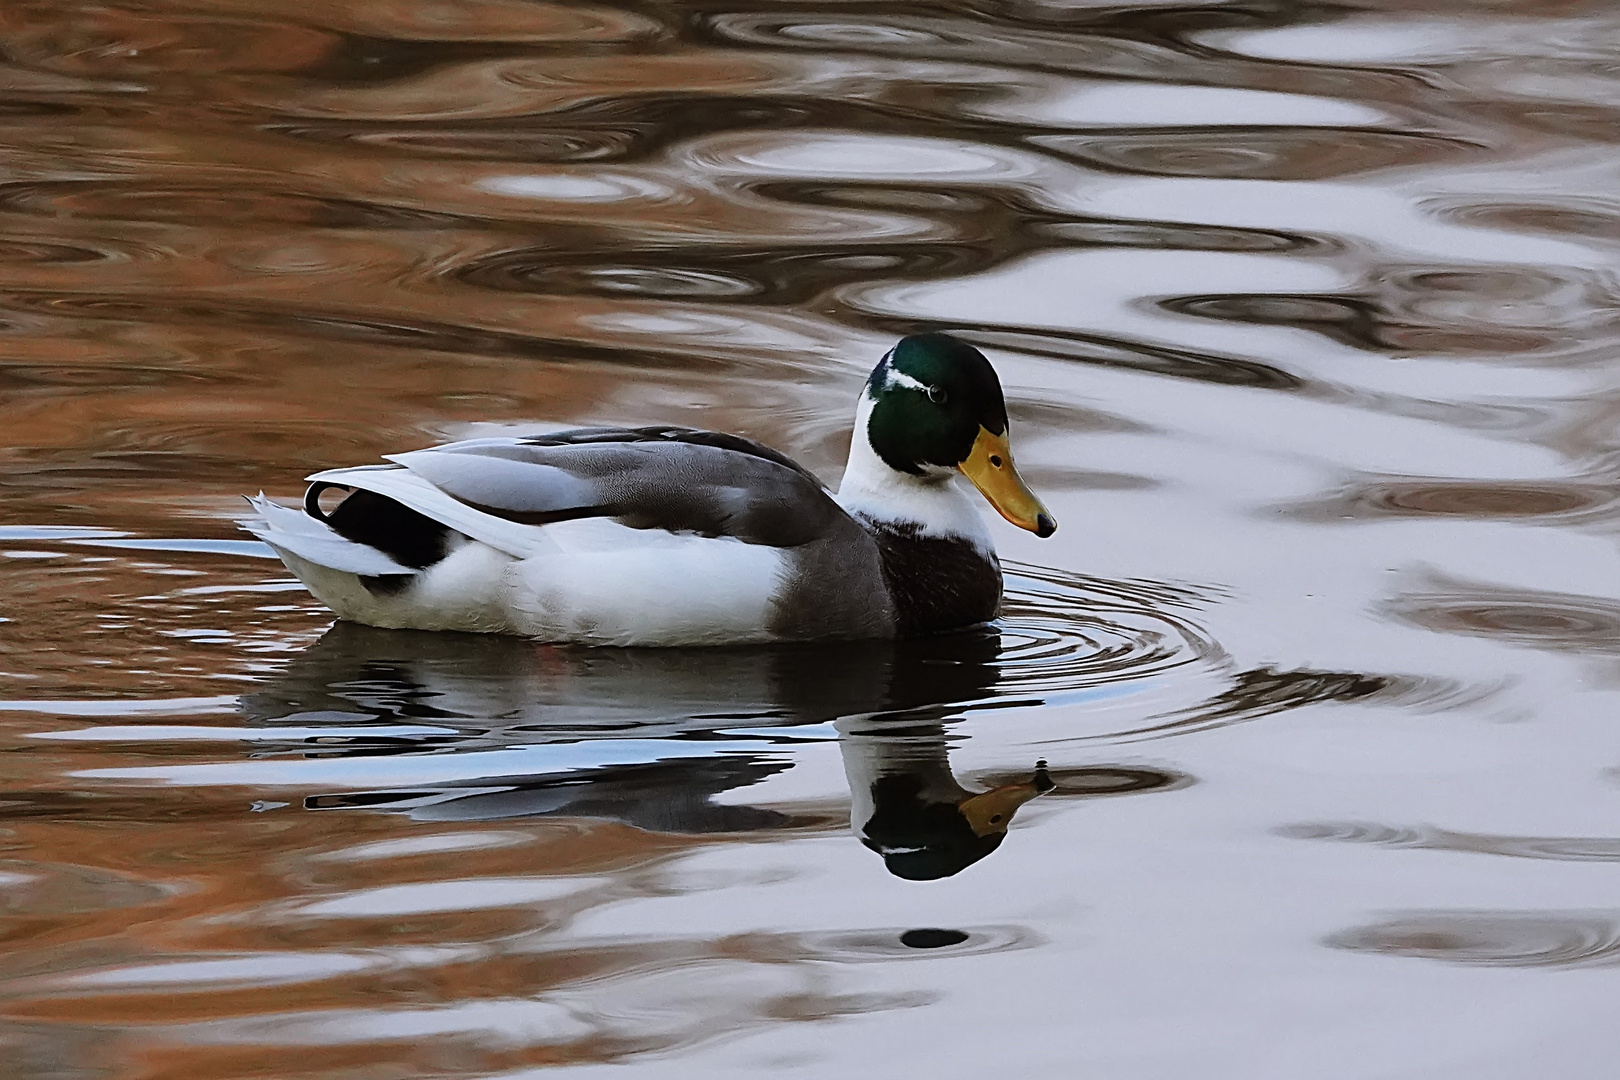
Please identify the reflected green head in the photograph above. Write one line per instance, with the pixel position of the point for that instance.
(931, 394)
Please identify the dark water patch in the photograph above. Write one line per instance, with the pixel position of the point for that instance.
(870, 946)
(532, 142)
(1153, 235)
(1581, 219)
(1265, 691)
(1429, 838)
(1420, 311)
(770, 277)
(129, 42)
(1045, 41)
(1096, 781)
(123, 200)
(1376, 499)
(1268, 153)
(932, 937)
(199, 451)
(1562, 622)
(24, 251)
(1496, 310)
(362, 59)
(1107, 351)
(675, 797)
(1017, 223)
(100, 806)
(23, 376)
(1492, 939)
(301, 321)
(1347, 320)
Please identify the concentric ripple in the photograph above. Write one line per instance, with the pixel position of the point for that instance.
(1062, 633)
(1494, 939)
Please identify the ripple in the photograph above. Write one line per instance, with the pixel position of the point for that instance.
(1492, 939)
(765, 277)
(1392, 498)
(532, 22)
(1266, 691)
(1427, 837)
(107, 42)
(868, 158)
(474, 141)
(1545, 620)
(868, 946)
(1107, 351)
(912, 36)
(192, 205)
(1252, 153)
(24, 251)
(1096, 781)
(576, 187)
(1062, 633)
(1584, 219)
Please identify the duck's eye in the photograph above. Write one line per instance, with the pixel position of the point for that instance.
(995, 460)
(936, 394)
(996, 820)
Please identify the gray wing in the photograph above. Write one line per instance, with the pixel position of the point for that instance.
(675, 479)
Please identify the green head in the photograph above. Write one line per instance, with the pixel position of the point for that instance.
(937, 405)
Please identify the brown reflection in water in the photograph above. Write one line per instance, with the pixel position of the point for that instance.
(1265, 691)
(1430, 838)
(1253, 153)
(1423, 311)
(1560, 621)
(310, 944)
(1585, 219)
(1550, 939)
(1390, 497)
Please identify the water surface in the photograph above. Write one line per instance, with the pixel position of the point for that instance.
(1306, 317)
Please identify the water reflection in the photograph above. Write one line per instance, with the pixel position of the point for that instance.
(651, 738)
(908, 806)
(1249, 270)
(1432, 838)
(1551, 939)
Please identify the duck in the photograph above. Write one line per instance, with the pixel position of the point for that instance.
(670, 536)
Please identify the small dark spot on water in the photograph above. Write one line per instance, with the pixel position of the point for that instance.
(930, 937)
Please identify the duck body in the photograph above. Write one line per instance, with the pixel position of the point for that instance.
(653, 536)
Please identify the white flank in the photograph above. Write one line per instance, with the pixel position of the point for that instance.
(933, 503)
(606, 584)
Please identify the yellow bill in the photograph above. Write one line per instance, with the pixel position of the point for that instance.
(990, 466)
(993, 810)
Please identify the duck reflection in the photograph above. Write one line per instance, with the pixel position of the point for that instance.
(651, 737)
(907, 805)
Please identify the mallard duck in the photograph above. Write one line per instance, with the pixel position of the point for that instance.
(672, 536)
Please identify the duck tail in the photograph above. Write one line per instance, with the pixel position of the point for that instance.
(313, 540)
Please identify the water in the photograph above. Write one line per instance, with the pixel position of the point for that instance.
(1306, 315)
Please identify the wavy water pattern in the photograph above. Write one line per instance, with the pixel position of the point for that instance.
(1305, 316)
